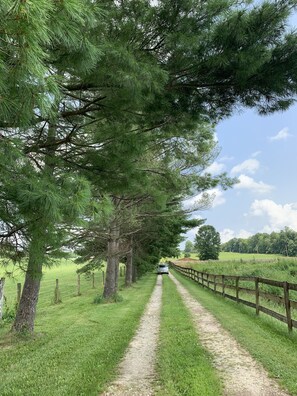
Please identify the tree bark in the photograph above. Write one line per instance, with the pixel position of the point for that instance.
(26, 311)
(2, 282)
(112, 267)
(129, 266)
(134, 274)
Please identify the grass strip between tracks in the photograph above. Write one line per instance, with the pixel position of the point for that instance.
(183, 366)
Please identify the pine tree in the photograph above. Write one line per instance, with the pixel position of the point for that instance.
(43, 198)
(88, 88)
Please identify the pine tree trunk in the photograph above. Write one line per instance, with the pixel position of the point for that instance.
(2, 282)
(26, 311)
(129, 266)
(134, 274)
(112, 267)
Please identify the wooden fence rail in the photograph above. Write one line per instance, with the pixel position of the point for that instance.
(221, 284)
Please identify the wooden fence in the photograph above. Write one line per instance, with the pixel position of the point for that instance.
(222, 284)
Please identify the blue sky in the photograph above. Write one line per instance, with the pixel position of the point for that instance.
(261, 152)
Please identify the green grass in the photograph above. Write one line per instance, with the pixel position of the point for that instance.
(77, 344)
(264, 337)
(65, 271)
(230, 256)
(284, 269)
(279, 269)
(183, 366)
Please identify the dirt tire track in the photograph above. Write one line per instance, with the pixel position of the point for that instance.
(241, 374)
(137, 369)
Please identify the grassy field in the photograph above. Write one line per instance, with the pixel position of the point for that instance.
(230, 256)
(65, 271)
(265, 338)
(77, 344)
(281, 269)
(183, 366)
(272, 267)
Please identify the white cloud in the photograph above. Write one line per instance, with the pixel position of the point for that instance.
(225, 159)
(249, 166)
(277, 216)
(215, 168)
(214, 196)
(283, 134)
(219, 197)
(248, 183)
(190, 235)
(256, 153)
(192, 203)
(227, 234)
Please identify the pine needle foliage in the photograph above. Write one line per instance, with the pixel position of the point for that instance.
(116, 101)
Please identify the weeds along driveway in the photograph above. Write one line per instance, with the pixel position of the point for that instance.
(241, 374)
(137, 369)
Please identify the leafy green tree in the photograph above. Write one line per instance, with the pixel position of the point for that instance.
(207, 243)
(283, 242)
(189, 246)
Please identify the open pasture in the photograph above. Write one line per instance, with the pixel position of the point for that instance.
(261, 265)
(275, 268)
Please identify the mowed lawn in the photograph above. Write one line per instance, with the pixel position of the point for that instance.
(77, 343)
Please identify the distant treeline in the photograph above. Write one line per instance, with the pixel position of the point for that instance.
(283, 242)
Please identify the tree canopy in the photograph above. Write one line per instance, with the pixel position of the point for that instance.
(283, 242)
(107, 115)
(207, 243)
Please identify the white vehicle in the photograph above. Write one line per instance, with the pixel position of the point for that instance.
(162, 269)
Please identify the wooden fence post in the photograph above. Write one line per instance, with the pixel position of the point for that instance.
(78, 285)
(19, 291)
(288, 306)
(223, 285)
(237, 288)
(207, 277)
(93, 280)
(214, 283)
(57, 294)
(257, 295)
(2, 282)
